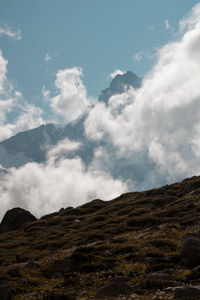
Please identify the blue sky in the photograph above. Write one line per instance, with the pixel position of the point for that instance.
(97, 35)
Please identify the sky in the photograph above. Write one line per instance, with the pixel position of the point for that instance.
(54, 60)
(99, 36)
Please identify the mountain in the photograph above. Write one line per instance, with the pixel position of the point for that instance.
(142, 245)
(32, 145)
(119, 84)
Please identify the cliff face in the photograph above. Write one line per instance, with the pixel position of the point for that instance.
(138, 245)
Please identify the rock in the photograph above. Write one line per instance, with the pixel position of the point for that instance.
(115, 289)
(20, 258)
(66, 295)
(160, 279)
(190, 252)
(31, 265)
(187, 293)
(195, 273)
(15, 218)
(14, 272)
(62, 265)
(6, 292)
(157, 276)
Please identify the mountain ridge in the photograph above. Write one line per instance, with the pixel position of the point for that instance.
(32, 145)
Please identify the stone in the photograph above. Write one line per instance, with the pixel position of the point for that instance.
(15, 218)
(190, 252)
(195, 273)
(160, 279)
(20, 258)
(62, 265)
(14, 272)
(115, 289)
(187, 293)
(31, 265)
(67, 295)
(6, 292)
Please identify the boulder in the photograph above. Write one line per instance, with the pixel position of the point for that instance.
(187, 293)
(6, 292)
(190, 252)
(66, 295)
(115, 289)
(20, 258)
(195, 273)
(15, 218)
(14, 272)
(160, 279)
(31, 265)
(62, 265)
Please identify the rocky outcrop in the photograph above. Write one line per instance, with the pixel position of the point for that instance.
(115, 289)
(161, 278)
(190, 252)
(15, 218)
(187, 293)
(6, 292)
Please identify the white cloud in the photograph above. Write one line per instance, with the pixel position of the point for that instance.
(63, 149)
(60, 182)
(15, 34)
(72, 100)
(167, 25)
(3, 71)
(28, 116)
(116, 72)
(138, 56)
(45, 94)
(47, 57)
(163, 117)
(151, 28)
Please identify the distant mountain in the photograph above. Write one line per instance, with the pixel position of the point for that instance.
(119, 84)
(32, 145)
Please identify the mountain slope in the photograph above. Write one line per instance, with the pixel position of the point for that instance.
(32, 145)
(146, 243)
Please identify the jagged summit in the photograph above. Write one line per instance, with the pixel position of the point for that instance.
(119, 83)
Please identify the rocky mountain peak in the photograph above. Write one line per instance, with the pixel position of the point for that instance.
(119, 84)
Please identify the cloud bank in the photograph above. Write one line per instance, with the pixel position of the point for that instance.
(163, 117)
(60, 182)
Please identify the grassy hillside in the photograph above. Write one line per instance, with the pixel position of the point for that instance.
(131, 243)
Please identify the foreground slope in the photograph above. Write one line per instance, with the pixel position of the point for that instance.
(140, 245)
